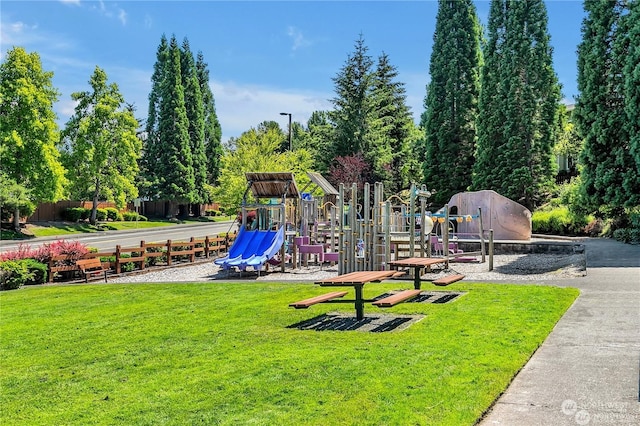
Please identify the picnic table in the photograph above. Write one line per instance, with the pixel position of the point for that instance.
(417, 263)
(357, 280)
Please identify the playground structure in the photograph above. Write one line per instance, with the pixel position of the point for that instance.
(335, 227)
(508, 219)
(262, 238)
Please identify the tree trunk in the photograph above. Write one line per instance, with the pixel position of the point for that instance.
(16, 219)
(94, 210)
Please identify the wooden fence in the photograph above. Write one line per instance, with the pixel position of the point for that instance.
(146, 255)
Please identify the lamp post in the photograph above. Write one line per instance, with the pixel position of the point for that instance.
(289, 114)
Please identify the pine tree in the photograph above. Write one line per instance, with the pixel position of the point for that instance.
(212, 130)
(174, 170)
(519, 162)
(352, 104)
(609, 172)
(393, 117)
(452, 100)
(28, 129)
(195, 116)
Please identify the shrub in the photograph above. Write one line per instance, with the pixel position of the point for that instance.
(113, 214)
(131, 216)
(38, 270)
(627, 235)
(74, 214)
(559, 221)
(14, 274)
(101, 215)
(24, 251)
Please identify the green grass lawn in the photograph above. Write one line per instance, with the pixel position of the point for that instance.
(221, 353)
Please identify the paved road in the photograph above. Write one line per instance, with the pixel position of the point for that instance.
(107, 240)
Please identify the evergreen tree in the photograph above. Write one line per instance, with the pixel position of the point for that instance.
(490, 106)
(175, 180)
(395, 123)
(102, 144)
(28, 130)
(632, 81)
(148, 166)
(212, 129)
(320, 144)
(609, 172)
(451, 104)
(352, 105)
(522, 168)
(195, 116)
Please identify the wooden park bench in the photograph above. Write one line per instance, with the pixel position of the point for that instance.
(449, 279)
(91, 267)
(304, 304)
(396, 298)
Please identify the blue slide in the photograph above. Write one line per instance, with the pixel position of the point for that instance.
(252, 248)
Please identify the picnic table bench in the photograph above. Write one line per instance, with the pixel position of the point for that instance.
(357, 280)
(418, 263)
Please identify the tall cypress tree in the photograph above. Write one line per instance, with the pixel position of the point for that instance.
(148, 163)
(212, 129)
(195, 116)
(490, 107)
(451, 104)
(392, 131)
(608, 174)
(522, 167)
(175, 177)
(632, 82)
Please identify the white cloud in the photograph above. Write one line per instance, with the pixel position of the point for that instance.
(148, 21)
(298, 38)
(122, 16)
(242, 106)
(110, 10)
(71, 2)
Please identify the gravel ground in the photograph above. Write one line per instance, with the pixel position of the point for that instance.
(520, 267)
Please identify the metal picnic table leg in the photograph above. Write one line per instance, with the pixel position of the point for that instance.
(359, 303)
(416, 278)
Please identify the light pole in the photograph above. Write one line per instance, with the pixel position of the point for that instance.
(289, 114)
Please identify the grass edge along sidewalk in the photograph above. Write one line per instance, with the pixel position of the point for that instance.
(223, 353)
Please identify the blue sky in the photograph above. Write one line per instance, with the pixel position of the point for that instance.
(264, 57)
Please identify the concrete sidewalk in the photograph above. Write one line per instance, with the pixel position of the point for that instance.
(587, 371)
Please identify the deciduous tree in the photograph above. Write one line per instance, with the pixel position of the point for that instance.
(28, 129)
(101, 145)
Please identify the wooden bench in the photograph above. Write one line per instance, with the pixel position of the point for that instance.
(396, 298)
(447, 280)
(91, 267)
(304, 304)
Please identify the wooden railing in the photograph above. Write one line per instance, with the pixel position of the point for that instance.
(148, 255)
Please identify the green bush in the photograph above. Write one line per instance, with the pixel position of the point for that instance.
(73, 214)
(627, 235)
(101, 215)
(14, 274)
(39, 271)
(131, 216)
(113, 214)
(559, 221)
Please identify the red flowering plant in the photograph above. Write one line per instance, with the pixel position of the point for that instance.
(74, 250)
